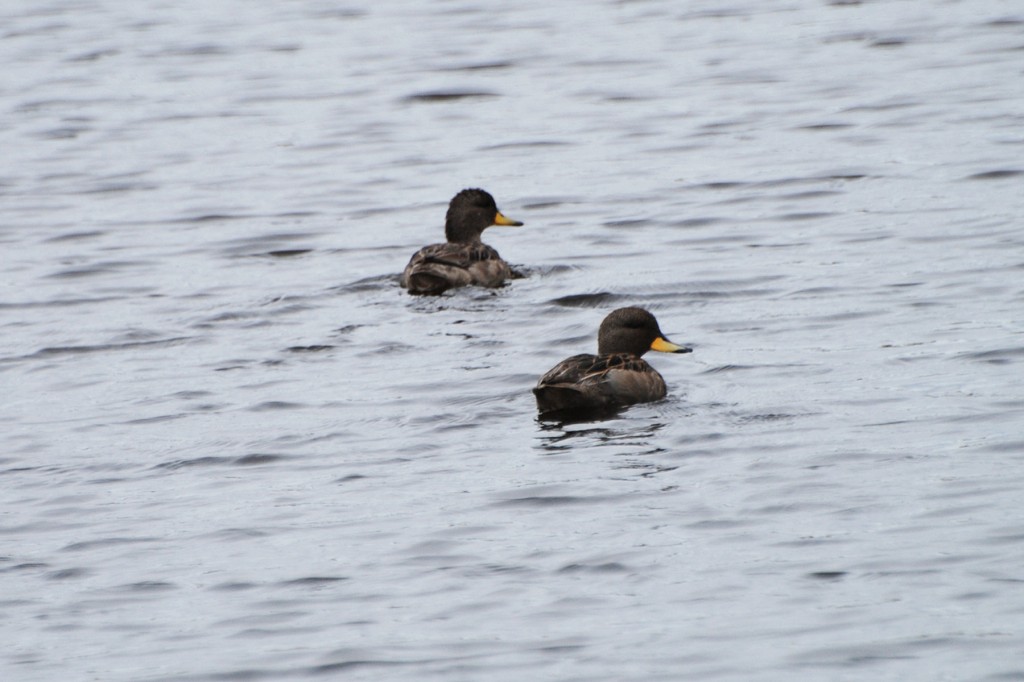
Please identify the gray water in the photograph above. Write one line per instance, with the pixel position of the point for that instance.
(234, 449)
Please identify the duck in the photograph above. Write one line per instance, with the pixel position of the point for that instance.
(463, 259)
(617, 376)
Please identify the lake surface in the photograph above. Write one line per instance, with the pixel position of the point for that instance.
(234, 449)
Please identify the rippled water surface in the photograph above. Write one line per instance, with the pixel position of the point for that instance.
(234, 449)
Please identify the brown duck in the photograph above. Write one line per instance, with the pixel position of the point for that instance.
(617, 376)
(463, 259)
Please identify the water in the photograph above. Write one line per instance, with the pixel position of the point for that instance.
(234, 449)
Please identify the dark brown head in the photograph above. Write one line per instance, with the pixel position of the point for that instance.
(470, 212)
(633, 330)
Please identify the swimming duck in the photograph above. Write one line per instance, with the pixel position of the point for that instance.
(617, 376)
(463, 259)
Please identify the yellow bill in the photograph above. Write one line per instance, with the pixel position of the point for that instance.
(663, 345)
(500, 219)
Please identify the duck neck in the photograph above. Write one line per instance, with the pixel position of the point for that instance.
(460, 234)
(618, 343)
(465, 226)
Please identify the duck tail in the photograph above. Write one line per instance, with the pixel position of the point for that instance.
(426, 283)
(558, 398)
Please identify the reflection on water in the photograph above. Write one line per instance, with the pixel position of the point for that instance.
(235, 448)
(558, 437)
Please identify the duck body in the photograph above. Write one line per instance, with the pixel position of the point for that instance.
(598, 383)
(436, 268)
(617, 376)
(464, 259)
